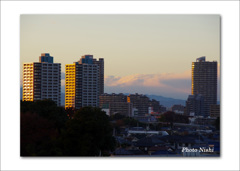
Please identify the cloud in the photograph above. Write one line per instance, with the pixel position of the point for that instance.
(168, 84)
(148, 80)
(174, 85)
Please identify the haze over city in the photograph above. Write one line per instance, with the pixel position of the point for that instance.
(148, 54)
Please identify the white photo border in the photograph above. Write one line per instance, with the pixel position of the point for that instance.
(10, 84)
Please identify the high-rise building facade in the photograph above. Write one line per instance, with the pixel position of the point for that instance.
(84, 82)
(204, 82)
(42, 80)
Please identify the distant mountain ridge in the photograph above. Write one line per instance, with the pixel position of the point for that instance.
(167, 101)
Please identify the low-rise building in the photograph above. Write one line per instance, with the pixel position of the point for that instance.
(140, 102)
(178, 109)
(116, 103)
(195, 105)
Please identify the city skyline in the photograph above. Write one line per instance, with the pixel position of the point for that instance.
(143, 53)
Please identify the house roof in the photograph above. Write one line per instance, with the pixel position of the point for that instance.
(149, 141)
(156, 148)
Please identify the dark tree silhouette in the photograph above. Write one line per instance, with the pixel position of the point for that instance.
(89, 133)
(48, 110)
(40, 127)
(172, 117)
(46, 130)
(117, 116)
(36, 135)
(70, 112)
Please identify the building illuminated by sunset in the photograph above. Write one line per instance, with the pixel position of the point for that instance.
(42, 80)
(84, 82)
(204, 82)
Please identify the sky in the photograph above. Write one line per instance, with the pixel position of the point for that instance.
(147, 54)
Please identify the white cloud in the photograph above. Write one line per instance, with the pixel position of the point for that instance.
(148, 80)
(166, 84)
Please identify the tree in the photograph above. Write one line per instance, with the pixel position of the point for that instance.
(172, 117)
(70, 112)
(48, 110)
(46, 130)
(117, 116)
(131, 122)
(41, 125)
(89, 133)
(36, 135)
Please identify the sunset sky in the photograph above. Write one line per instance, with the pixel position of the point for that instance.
(148, 54)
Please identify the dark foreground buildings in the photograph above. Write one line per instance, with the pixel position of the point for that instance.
(129, 105)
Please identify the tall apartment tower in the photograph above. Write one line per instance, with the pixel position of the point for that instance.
(42, 80)
(84, 82)
(204, 82)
